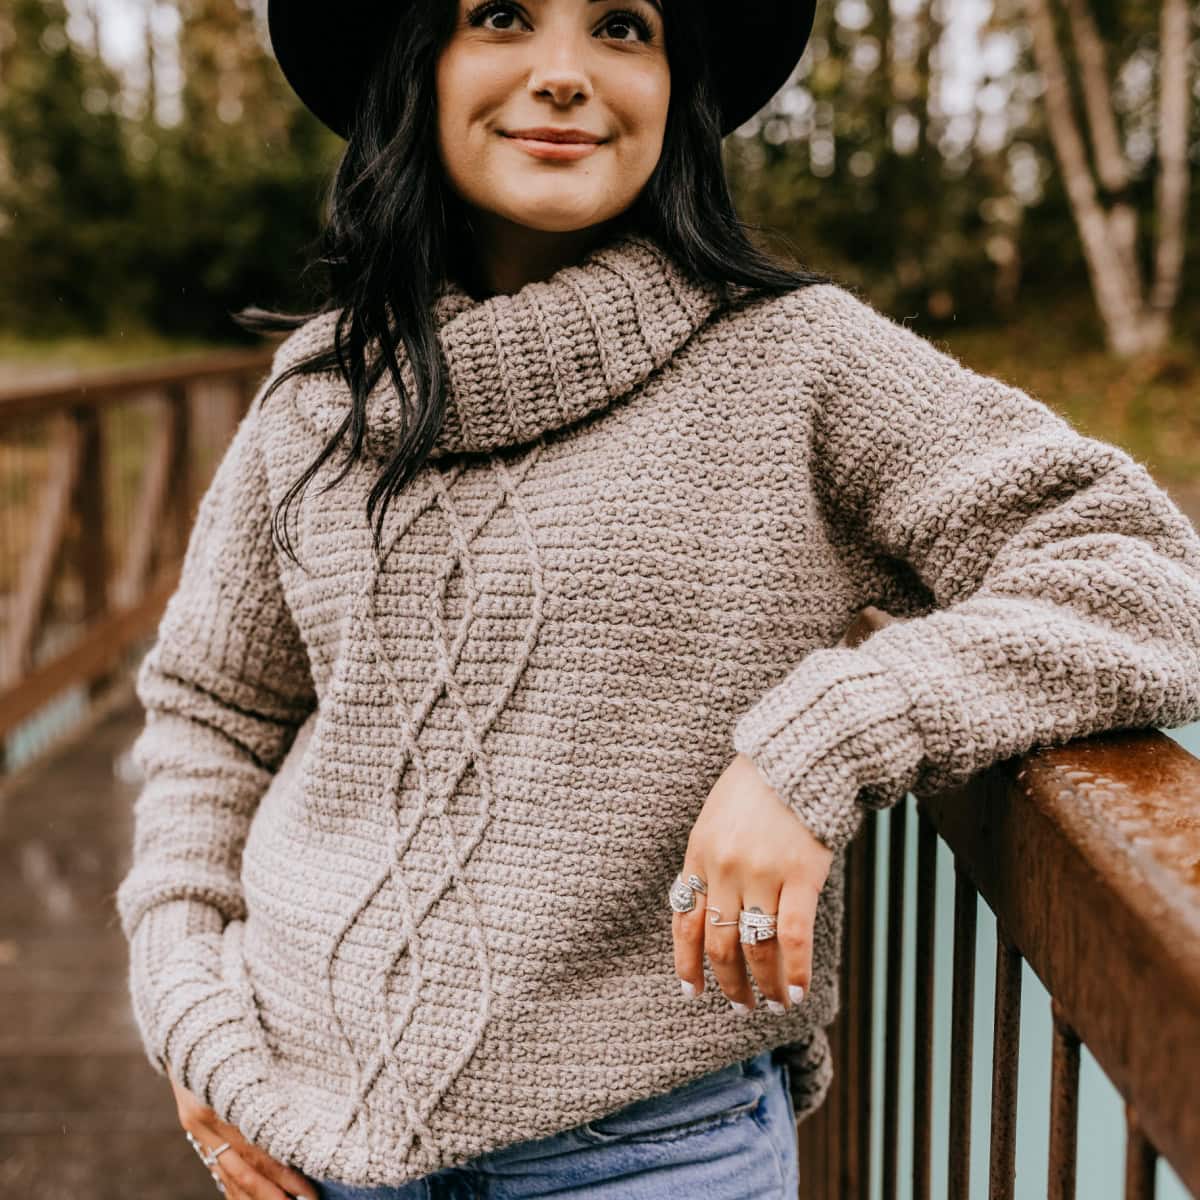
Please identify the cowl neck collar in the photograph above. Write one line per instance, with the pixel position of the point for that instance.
(525, 363)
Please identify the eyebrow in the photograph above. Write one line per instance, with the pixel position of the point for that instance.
(654, 4)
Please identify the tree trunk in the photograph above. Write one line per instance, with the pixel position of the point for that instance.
(1135, 321)
(1171, 196)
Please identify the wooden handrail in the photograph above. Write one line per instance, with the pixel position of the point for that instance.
(110, 385)
(1088, 854)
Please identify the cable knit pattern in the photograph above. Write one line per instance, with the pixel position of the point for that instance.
(402, 853)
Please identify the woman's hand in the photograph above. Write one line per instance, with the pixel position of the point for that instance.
(247, 1172)
(753, 852)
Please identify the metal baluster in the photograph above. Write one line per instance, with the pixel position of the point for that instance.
(898, 815)
(923, 1004)
(962, 1033)
(1140, 1159)
(1064, 1108)
(1006, 1046)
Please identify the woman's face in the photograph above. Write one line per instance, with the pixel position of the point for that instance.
(594, 69)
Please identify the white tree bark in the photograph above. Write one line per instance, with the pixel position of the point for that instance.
(1171, 197)
(1111, 164)
(1136, 319)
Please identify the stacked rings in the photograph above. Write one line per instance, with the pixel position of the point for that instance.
(209, 1158)
(753, 924)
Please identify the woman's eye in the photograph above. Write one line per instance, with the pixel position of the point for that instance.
(506, 16)
(484, 12)
(627, 20)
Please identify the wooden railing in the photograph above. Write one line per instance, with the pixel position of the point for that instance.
(101, 475)
(1088, 854)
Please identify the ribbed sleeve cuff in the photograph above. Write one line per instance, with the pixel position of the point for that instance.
(195, 1013)
(152, 939)
(834, 734)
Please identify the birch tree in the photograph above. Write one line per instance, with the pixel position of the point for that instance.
(1136, 312)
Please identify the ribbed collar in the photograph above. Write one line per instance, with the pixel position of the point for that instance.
(526, 363)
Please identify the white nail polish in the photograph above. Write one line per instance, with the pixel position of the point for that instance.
(775, 1006)
(796, 992)
(688, 988)
(739, 1008)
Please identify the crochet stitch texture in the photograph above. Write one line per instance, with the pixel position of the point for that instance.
(402, 853)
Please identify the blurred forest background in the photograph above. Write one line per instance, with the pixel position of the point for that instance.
(1009, 177)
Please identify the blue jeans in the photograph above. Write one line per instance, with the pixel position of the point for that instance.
(727, 1135)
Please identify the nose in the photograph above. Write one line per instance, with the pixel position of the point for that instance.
(559, 72)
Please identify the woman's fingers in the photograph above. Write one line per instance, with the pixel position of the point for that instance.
(763, 958)
(240, 1176)
(287, 1178)
(722, 946)
(781, 966)
(794, 933)
(688, 934)
(247, 1172)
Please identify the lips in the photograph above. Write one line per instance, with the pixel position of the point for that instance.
(563, 136)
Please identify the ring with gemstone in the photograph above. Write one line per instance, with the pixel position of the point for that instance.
(683, 895)
(754, 925)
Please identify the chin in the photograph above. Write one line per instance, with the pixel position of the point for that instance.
(549, 219)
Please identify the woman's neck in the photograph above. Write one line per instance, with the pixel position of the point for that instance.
(502, 257)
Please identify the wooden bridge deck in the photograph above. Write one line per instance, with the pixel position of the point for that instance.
(81, 1113)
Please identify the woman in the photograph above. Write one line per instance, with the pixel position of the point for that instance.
(493, 827)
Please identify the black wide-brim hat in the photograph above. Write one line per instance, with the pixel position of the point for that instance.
(324, 51)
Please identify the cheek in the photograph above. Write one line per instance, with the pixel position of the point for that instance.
(641, 105)
(641, 99)
(467, 93)
(459, 133)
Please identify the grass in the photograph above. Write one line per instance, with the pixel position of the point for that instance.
(28, 360)
(1055, 353)
(1148, 407)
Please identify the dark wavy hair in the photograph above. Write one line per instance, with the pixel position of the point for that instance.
(395, 229)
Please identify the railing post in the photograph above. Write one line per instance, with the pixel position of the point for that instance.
(91, 525)
(1140, 1159)
(1006, 1057)
(962, 1034)
(1064, 1106)
(179, 417)
(923, 1006)
(893, 1026)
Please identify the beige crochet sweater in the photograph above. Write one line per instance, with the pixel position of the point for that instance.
(439, 925)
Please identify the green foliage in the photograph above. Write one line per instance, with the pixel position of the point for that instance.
(111, 223)
(67, 191)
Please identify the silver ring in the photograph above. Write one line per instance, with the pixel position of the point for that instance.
(211, 1157)
(683, 898)
(754, 925)
(714, 921)
(208, 1159)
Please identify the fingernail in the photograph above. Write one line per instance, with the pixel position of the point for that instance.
(739, 1008)
(796, 992)
(688, 988)
(775, 1006)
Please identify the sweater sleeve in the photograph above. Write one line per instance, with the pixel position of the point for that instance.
(1065, 583)
(225, 686)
